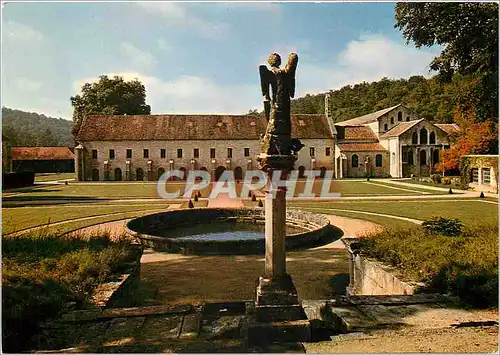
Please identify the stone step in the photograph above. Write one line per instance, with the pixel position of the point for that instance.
(278, 332)
(92, 315)
(349, 318)
(190, 326)
(162, 327)
(400, 299)
(224, 327)
(287, 348)
(122, 331)
(279, 313)
(382, 315)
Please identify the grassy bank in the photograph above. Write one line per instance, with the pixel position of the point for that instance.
(464, 265)
(469, 211)
(42, 276)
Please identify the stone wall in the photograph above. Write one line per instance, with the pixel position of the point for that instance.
(188, 160)
(371, 277)
(359, 172)
(480, 172)
(391, 119)
(317, 230)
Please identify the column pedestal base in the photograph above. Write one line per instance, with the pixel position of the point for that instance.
(277, 315)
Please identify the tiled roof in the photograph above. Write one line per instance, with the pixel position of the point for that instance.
(189, 127)
(400, 129)
(359, 133)
(353, 147)
(449, 128)
(371, 117)
(42, 153)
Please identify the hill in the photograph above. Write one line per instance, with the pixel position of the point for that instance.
(32, 129)
(428, 97)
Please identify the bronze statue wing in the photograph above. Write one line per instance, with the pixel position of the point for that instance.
(290, 69)
(264, 81)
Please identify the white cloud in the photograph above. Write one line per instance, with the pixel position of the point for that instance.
(17, 32)
(192, 94)
(367, 59)
(139, 59)
(177, 15)
(163, 45)
(273, 8)
(27, 85)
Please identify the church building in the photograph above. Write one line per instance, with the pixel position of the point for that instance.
(390, 142)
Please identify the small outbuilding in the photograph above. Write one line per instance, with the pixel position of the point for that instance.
(480, 172)
(42, 159)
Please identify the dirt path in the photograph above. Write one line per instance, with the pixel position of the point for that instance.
(443, 340)
(223, 200)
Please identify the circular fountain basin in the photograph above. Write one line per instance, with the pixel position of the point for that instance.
(226, 231)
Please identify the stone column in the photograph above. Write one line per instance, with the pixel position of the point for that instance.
(79, 162)
(275, 233)
(277, 298)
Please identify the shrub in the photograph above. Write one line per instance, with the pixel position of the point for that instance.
(451, 227)
(436, 178)
(465, 266)
(40, 275)
(446, 181)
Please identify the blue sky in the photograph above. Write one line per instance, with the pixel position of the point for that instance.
(195, 57)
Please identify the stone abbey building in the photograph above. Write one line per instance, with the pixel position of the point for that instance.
(390, 142)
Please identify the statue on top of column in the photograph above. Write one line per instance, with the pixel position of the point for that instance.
(277, 139)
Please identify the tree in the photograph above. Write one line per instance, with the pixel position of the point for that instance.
(253, 112)
(469, 34)
(475, 137)
(110, 96)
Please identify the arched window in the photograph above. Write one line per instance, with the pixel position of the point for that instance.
(219, 171)
(432, 138)
(386, 127)
(118, 174)
(423, 136)
(423, 157)
(392, 120)
(161, 171)
(435, 156)
(414, 138)
(354, 161)
(302, 169)
(95, 175)
(139, 174)
(400, 116)
(410, 157)
(407, 119)
(238, 173)
(378, 160)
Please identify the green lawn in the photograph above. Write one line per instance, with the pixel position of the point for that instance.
(469, 211)
(73, 226)
(149, 190)
(54, 177)
(14, 219)
(415, 182)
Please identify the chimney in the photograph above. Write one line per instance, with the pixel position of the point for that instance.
(328, 115)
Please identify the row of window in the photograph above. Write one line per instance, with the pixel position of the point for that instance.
(355, 161)
(423, 157)
(423, 137)
(400, 119)
(196, 153)
(486, 175)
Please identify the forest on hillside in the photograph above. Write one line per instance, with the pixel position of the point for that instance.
(429, 98)
(31, 129)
